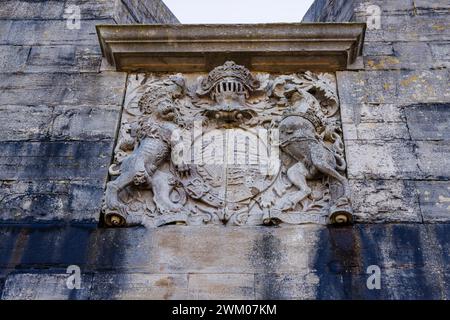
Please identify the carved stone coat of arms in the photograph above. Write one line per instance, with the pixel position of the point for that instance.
(229, 147)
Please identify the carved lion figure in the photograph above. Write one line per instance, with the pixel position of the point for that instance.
(152, 148)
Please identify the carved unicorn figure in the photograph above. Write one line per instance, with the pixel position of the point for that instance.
(303, 129)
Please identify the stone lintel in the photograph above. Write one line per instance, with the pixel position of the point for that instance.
(278, 47)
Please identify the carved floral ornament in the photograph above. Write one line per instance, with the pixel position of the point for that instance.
(229, 148)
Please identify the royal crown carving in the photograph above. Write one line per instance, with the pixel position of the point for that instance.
(229, 147)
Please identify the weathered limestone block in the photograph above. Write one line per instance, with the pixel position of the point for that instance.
(434, 200)
(13, 58)
(286, 286)
(372, 113)
(59, 58)
(324, 10)
(61, 200)
(376, 131)
(406, 55)
(139, 286)
(49, 244)
(432, 4)
(351, 88)
(434, 159)
(428, 121)
(144, 11)
(382, 86)
(379, 48)
(408, 87)
(351, 10)
(84, 201)
(25, 122)
(413, 55)
(385, 201)
(408, 27)
(94, 9)
(65, 58)
(62, 89)
(5, 26)
(188, 250)
(55, 160)
(82, 122)
(218, 286)
(85, 123)
(277, 47)
(52, 32)
(400, 284)
(424, 86)
(43, 286)
(401, 87)
(440, 52)
(373, 122)
(150, 11)
(20, 9)
(33, 200)
(395, 7)
(122, 15)
(382, 160)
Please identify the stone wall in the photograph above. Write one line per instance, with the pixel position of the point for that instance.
(176, 262)
(59, 119)
(330, 11)
(58, 112)
(395, 111)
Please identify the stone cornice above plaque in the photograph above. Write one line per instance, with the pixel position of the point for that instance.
(280, 47)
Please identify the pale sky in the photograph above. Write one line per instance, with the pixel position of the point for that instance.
(238, 11)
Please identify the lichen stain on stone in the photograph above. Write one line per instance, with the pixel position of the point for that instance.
(381, 64)
(393, 60)
(372, 64)
(168, 284)
(444, 199)
(438, 27)
(409, 81)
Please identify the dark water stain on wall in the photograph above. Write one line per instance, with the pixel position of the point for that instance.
(50, 249)
(43, 248)
(266, 254)
(338, 263)
(344, 255)
(12, 244)
(11, 247)
(406, 278)
(413, 258)
(106, 257)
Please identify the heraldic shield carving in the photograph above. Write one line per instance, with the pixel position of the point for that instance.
(229, 147)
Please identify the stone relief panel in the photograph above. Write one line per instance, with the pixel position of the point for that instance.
(230, 147)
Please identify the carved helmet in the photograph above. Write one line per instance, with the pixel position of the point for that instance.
(228, 77)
